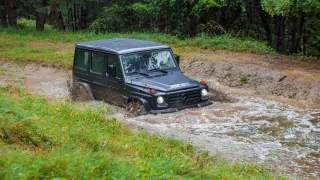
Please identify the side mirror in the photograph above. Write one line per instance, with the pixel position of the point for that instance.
(112, 70)
(177, 59)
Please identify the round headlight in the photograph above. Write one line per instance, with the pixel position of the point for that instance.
(204, 92)
(160, 100)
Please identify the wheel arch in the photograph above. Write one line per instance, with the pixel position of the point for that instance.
(87, 88)
(142, 100)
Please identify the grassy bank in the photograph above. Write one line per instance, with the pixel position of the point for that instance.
(52, 47)
(41, 139)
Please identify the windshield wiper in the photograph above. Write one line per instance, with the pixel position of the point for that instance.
(138, 72)
(158, 69)
(142, 73)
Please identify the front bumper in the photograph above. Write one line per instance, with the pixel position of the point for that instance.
(170, 110)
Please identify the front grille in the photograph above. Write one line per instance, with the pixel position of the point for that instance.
(188, 97)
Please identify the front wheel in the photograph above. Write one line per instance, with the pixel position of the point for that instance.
(136, 108)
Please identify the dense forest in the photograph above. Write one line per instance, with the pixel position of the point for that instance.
(289, 26)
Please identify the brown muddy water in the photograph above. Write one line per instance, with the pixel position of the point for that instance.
(279, 133)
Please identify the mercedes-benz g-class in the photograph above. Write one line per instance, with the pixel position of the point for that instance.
(142, 76)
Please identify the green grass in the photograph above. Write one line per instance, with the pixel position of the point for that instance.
(24, 44)
(41, 140)
(244, 79)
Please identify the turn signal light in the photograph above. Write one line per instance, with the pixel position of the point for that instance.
(153, 91)
(203, 82)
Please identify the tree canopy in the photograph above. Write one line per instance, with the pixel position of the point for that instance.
(290, 26)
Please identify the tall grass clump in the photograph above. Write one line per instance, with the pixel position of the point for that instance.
(46, 140)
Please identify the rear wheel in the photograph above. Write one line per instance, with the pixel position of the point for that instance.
(136, 108)
(79, 92)
(83, 94)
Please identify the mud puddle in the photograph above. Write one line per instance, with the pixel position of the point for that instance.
(41, 80)
(251, 128)
(239, 126)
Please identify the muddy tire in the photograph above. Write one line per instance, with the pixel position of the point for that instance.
(83, 94)
(79, 92)
(136, 108)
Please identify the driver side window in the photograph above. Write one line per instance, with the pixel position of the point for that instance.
(113, 61)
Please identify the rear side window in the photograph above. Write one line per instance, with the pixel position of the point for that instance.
(97, 63)
(82, 59)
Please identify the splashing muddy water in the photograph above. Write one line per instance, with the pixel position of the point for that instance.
(239, 126)
(265, 131)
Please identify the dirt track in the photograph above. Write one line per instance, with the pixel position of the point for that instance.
(246, 121)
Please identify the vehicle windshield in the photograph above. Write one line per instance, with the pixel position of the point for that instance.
(147, 61)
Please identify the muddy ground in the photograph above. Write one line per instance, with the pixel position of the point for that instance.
(260, 74)
(266, 109)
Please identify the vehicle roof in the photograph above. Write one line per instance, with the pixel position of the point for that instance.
(121, 45)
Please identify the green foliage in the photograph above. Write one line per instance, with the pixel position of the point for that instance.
(203, 6)
(313, 32)
(47, 140)
(158, 15)
(112, 20)
(29, 25)
(56, 48)
(290, 7)
(308, 12)
(144, 9)
(263, 19)
(287, 25)
(274, 7)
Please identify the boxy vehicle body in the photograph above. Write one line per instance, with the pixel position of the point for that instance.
(141, 74)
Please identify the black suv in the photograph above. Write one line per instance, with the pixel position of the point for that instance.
(142, 76)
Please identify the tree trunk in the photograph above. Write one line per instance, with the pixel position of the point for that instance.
(12, 12)
(300, 32)
(280, 34)
(161, 24)
(192, 26)
(3, 13)
(40, 15)
(86, 17)
(293, 46)
(235, 15)
(265, 19)
(283, 46)
(59, 18)
(78, 9)
(249, 16)
(304, 41)
(75, 19)
(70, 19)
(82, 16)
